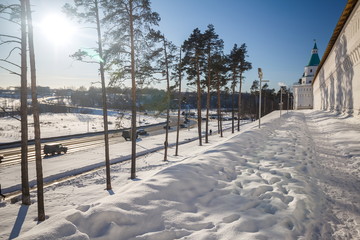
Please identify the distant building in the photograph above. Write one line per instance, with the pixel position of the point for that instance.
(336, 86)
(303, 91)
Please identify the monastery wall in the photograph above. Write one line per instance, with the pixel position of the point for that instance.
(337, 84)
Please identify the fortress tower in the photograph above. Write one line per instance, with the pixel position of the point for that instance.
(303, 93)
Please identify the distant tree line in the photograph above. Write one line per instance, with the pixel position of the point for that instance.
(150, 99)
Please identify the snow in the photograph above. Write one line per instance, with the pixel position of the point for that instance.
(295, 178)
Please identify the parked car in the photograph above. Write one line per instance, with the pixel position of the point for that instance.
(142, 131)
(126, 134)
(53, 148)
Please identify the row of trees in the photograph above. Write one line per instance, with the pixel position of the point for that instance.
(139, 52)
(133, 50)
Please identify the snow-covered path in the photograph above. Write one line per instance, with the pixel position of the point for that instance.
(337, 170)
(295, 178)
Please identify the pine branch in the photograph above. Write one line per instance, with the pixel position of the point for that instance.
(10, 41)
(11, 72)
(10, 36)
(11, 52)
(4, 60)
(9, 20)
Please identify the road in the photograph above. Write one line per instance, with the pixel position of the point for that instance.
(12, 156)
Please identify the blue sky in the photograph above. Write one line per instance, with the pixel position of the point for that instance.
(279, 35)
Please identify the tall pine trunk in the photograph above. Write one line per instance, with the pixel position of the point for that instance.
(23, 111)
(220, 131)
(233, 106)
(198, 99)
(208, 102)
(179, 110)
(133, 94)
(167, 102)
(35, 106)
(239, 104)
(104, 99)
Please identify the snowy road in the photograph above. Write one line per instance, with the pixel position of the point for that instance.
(295, 178)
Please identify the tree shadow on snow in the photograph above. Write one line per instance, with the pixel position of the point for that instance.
(19, 221)
(111, 192)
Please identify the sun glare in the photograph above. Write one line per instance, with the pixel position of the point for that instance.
(57, 29)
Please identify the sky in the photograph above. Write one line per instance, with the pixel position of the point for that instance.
(279, 36)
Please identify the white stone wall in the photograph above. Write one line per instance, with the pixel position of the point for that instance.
(303, 96)
(337, 86)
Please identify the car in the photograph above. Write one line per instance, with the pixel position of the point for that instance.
(182, 125)
(53, 148)
(142, 131)
(126, 134)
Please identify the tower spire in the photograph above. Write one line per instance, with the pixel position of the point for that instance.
(314, 60)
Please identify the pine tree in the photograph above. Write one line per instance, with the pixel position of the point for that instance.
(36, 112)
(213, 45)
(179, 70)
(24, 110)
(219, 65)
(194, 48)
(168, 64)
(88, 11)
(244, 65)
(129, 23)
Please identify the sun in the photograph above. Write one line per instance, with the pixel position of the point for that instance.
(57, 29)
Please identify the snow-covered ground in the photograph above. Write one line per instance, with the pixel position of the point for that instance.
(298, 177)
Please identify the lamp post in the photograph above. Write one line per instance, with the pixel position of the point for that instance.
(260, 78)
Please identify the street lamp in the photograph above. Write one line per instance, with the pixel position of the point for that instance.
(260, 77)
